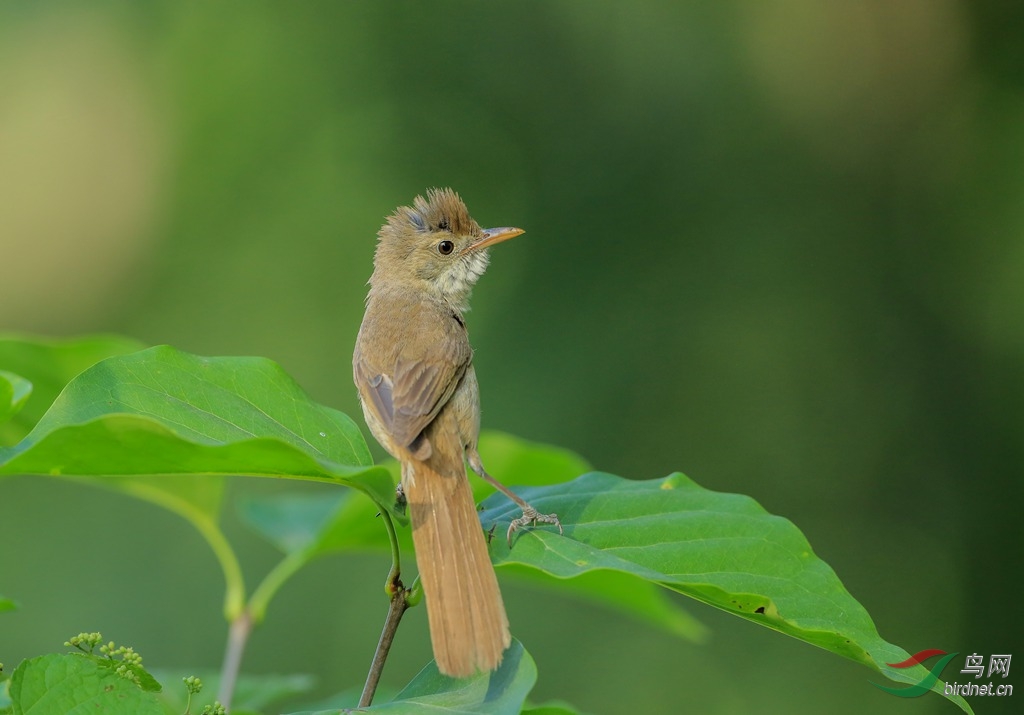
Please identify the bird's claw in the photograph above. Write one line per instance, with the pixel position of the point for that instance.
(532, 517)
(400, 500)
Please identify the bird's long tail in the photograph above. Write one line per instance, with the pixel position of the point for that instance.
(468, 626)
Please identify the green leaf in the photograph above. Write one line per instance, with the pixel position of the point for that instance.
(49, 365)
(14, 392)
(502, 692)
(7, 604)
(166, 426)
(163, 412)
(722, 549)
(76, 684)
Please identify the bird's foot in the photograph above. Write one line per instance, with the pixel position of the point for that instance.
(400, 501)
(532, 517)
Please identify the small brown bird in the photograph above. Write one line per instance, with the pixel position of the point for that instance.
(413, 368)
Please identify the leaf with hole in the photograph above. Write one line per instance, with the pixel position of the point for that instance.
(722, 549)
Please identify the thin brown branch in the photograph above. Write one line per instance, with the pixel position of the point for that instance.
(398, 607)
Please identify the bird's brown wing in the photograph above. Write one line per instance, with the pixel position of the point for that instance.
(418, 386)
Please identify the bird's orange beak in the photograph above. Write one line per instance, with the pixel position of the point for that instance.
(491, 236)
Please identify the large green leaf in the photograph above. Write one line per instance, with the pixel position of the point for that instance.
(77, 684)
(166, 426)
(49, 364)
(722, 549)
(165, 412)
(502, 692)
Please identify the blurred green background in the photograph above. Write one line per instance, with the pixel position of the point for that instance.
(778, 246)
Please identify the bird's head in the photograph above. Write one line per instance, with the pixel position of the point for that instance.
(435, 246)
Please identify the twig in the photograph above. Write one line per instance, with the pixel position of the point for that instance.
(399, 603)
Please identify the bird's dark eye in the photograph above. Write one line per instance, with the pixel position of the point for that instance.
(445, 247)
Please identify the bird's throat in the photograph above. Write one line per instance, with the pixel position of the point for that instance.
(456, 284)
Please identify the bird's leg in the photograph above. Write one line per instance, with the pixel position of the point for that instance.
(530, 517)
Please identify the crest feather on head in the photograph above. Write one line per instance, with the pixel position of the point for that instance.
(442, 210)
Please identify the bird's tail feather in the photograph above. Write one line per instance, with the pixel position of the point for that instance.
(468, 625)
